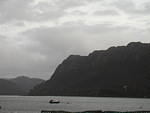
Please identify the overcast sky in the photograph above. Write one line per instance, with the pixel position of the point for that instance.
(36, 35)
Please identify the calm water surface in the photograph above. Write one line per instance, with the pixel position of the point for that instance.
(30, 104)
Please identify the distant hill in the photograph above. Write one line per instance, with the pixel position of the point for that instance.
(9, 88)
(122, 71)
(18, 86)
(26, 83)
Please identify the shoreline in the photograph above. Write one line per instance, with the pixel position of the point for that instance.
(44, 111)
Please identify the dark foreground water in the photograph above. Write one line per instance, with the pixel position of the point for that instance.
(30, 104)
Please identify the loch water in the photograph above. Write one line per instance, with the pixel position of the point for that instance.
(34, 104)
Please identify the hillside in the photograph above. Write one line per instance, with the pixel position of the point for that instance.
(9, 88)
(26, 83)
(122, 71)
(18, 86)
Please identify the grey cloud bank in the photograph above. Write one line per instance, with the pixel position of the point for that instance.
(36, 35)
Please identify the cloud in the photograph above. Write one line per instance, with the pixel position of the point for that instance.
(15, 59)
(14, 10)
(34, 10)
(58, 43)
(106, 12)
(36, 35)
(133, 7)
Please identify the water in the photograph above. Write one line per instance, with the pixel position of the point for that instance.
(30, 104)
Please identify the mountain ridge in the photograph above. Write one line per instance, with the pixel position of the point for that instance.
(122, 71)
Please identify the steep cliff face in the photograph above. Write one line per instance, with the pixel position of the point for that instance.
(119, 71)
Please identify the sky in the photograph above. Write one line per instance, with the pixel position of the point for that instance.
(37, 35)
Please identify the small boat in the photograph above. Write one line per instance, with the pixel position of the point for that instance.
(54, 101)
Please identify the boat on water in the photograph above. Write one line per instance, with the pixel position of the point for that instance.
(54, 101)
